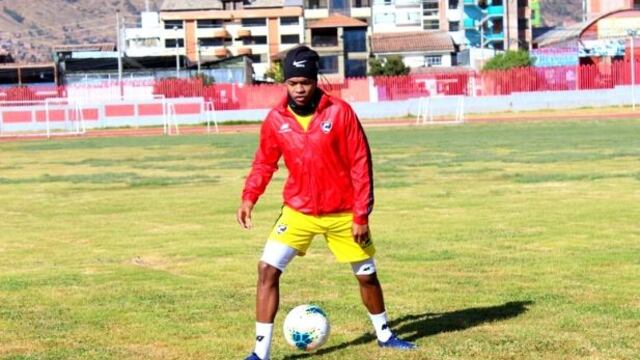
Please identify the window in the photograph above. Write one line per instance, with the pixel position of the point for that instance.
(209, 24)
(433, 60)
(523, 24)
(170, 24)
(407, 3)
(142, 43)
(431, 25)
(255, 40)
(328, 64)
(315, 4)
(254, 22)
(289, 20)
(211, 42)
(171, 43)
(454, 26)
(356, 68)
(233, 5)
(324, 37)
(290, 39)
(355, 40)
(430, 7)
(340, 6)
(360, 3)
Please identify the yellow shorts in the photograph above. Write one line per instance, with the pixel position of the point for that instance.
(296, 230)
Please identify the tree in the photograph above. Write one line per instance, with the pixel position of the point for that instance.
(390, 66)
(275, 72)
(508, 60)
(205, 78)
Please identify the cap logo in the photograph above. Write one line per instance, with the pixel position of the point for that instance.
(299, 63)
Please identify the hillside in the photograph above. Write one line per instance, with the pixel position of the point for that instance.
(561, 12)
(28, 29)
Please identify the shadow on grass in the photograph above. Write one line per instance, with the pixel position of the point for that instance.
(414, 327)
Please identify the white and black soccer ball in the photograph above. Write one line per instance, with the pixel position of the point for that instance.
(306, 327)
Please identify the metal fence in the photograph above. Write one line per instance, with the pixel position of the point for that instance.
(370, 89)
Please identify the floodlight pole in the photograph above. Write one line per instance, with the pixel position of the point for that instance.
(632, 33)
(119, 45)
(175, 28)
(482, 21)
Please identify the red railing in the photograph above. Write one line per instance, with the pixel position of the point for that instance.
(26, 94)
(583, 77)
(239, 96)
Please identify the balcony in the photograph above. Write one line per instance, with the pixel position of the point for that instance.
(496, 10)
(221, 52)
(244, 51)
(221, 33)
(493, 37)
(324, 37)
(316, 13)
(469, 24)
(243, 33)
(360, 13)
(324, 41)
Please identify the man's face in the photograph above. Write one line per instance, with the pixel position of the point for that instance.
(300, 89)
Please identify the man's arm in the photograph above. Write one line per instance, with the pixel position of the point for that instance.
(264, 165)
(361, 177)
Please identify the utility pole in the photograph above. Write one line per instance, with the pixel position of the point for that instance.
(175, 29)
(119, 45)
(482, 22)
(584, 10)
(198, 44)
(146, 5)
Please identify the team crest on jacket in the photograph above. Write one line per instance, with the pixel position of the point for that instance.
(326, 126)
(281, 228)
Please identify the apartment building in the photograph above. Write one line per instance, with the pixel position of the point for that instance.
(594, 8)
(205, 30)
(321, 9)
(420, 31)
(338, 30)
(498, 24)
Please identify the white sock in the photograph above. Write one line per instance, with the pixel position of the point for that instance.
(263, 340)
(380, 324)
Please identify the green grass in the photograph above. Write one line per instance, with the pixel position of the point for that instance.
(504, 241)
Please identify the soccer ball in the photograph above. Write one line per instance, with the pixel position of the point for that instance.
(306, 327)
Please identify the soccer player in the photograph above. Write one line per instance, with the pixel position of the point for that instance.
(329, 191)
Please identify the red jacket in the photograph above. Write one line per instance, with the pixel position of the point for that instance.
(329, 165)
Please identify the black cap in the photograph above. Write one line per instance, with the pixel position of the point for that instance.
(301, 61)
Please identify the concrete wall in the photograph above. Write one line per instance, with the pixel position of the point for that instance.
(151, 112)
(530, 101)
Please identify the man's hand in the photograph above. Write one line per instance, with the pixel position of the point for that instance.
(243, 215)
(361, 234)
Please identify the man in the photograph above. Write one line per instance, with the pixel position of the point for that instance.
(329, 191)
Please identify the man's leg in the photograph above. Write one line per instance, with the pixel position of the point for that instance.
(275, 258)
(373, 300)
(268, 292)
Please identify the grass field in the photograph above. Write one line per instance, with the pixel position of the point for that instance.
(503, 241)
